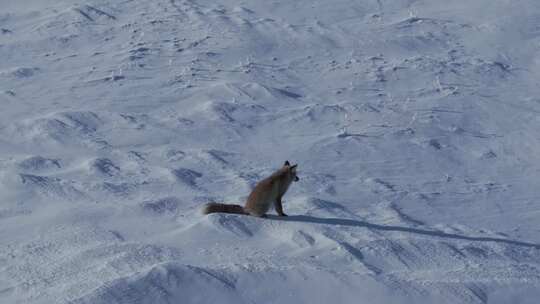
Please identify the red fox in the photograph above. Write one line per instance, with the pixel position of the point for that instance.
(267, 192)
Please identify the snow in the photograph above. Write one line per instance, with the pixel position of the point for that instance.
(414, 125)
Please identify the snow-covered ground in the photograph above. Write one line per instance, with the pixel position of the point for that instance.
(415, 125)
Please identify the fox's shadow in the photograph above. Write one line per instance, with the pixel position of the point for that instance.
(432, 233)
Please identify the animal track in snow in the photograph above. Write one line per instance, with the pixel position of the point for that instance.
(162, 206)
(105, 167)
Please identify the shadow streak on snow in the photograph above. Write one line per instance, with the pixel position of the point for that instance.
(440, 234)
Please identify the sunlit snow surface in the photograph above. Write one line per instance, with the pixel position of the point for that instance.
(415, 124)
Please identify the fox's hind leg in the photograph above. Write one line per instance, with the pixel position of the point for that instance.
(279, 207)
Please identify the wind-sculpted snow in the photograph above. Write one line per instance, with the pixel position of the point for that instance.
(50, 186)
(165, 283)
(19, 72)
(39, 163)
(414, 125)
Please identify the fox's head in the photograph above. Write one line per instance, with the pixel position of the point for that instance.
(291, 171)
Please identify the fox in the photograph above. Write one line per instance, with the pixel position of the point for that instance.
(267, 192)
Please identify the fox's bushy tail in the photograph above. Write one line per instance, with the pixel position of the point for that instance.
(223, 208)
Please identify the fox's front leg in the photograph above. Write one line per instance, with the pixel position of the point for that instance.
(279, 207)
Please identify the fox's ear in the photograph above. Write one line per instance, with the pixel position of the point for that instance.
(287, 163)
(294, 166)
